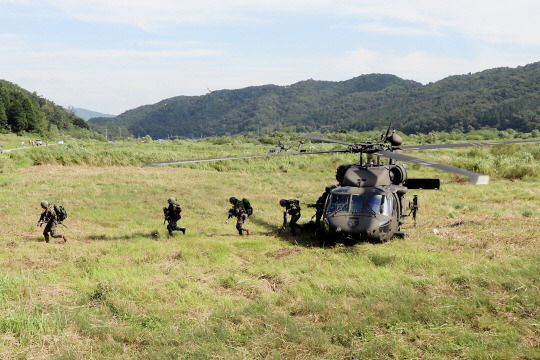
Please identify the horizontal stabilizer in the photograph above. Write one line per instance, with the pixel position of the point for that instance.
(426, 184)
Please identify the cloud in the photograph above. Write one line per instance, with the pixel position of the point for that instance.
(425, 66)
(496, 21)
(132, 52)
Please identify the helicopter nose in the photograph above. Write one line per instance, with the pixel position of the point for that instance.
(371, 229)
(367, 228)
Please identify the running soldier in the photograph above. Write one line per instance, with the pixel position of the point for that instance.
(241, 213)
(292, 207)
(49, 217)
(172, 215)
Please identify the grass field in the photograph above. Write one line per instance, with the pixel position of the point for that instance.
(122, 288)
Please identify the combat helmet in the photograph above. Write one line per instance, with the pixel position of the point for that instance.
(171, 200)
(44, 204)
(282, 202)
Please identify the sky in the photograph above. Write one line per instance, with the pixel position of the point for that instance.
(111, 56)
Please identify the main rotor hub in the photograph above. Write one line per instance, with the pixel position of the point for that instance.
(369, 147)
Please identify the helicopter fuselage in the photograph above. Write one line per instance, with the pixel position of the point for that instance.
(363, 213)
(368, 204)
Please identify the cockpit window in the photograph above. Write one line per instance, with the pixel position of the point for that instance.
(377, 204)
(338, 203)
(373, 202)
(357, 204)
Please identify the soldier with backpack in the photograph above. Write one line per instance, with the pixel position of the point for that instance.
(172, 215)
(52, 216)
(241, 209)
(292, 207)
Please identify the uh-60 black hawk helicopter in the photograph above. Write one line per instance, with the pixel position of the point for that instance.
(369, 202)
(285, 147)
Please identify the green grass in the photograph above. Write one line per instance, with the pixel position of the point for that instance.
(121, 288)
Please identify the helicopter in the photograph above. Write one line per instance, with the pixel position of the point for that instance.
(369, 201)
(284, 147)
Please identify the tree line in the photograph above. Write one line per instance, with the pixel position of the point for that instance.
(25, 112)
(502, 98)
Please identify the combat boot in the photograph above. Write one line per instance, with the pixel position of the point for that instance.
(247, 231)
(183, 230)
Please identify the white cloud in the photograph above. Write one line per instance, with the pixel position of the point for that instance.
(494, 21)
(424, 66)
(147, 67)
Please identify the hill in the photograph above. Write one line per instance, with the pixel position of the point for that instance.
(89, 114)
(499, 98)
(23, 111)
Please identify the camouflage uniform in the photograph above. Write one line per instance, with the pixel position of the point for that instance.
(240, 213)
(49, 217)
(172, 216)
(291, 208)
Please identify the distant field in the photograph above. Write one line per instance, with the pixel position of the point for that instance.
(121, 288)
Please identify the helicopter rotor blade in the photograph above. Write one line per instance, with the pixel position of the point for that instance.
(320, 138)
(445, 146)
(475, 178)
(191, 161)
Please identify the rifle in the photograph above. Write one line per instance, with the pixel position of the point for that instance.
(165, 214)
(284, 226)
(40, 224)
(41, 219)
(310, 205)
(231, 211)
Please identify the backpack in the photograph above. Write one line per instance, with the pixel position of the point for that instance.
(61, 213)
(247, 206)
(176, 211)
(294, 203)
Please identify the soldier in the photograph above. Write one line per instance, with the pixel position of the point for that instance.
(172, 215)
(319, 205)
(49, 217)
(238, 209)
(292, 207)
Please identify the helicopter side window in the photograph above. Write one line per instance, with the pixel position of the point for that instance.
(338, 203)
(357, 204)
(385, 206)
(393, 204)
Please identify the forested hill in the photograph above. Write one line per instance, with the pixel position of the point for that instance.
(23, 111)
(499, 98)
